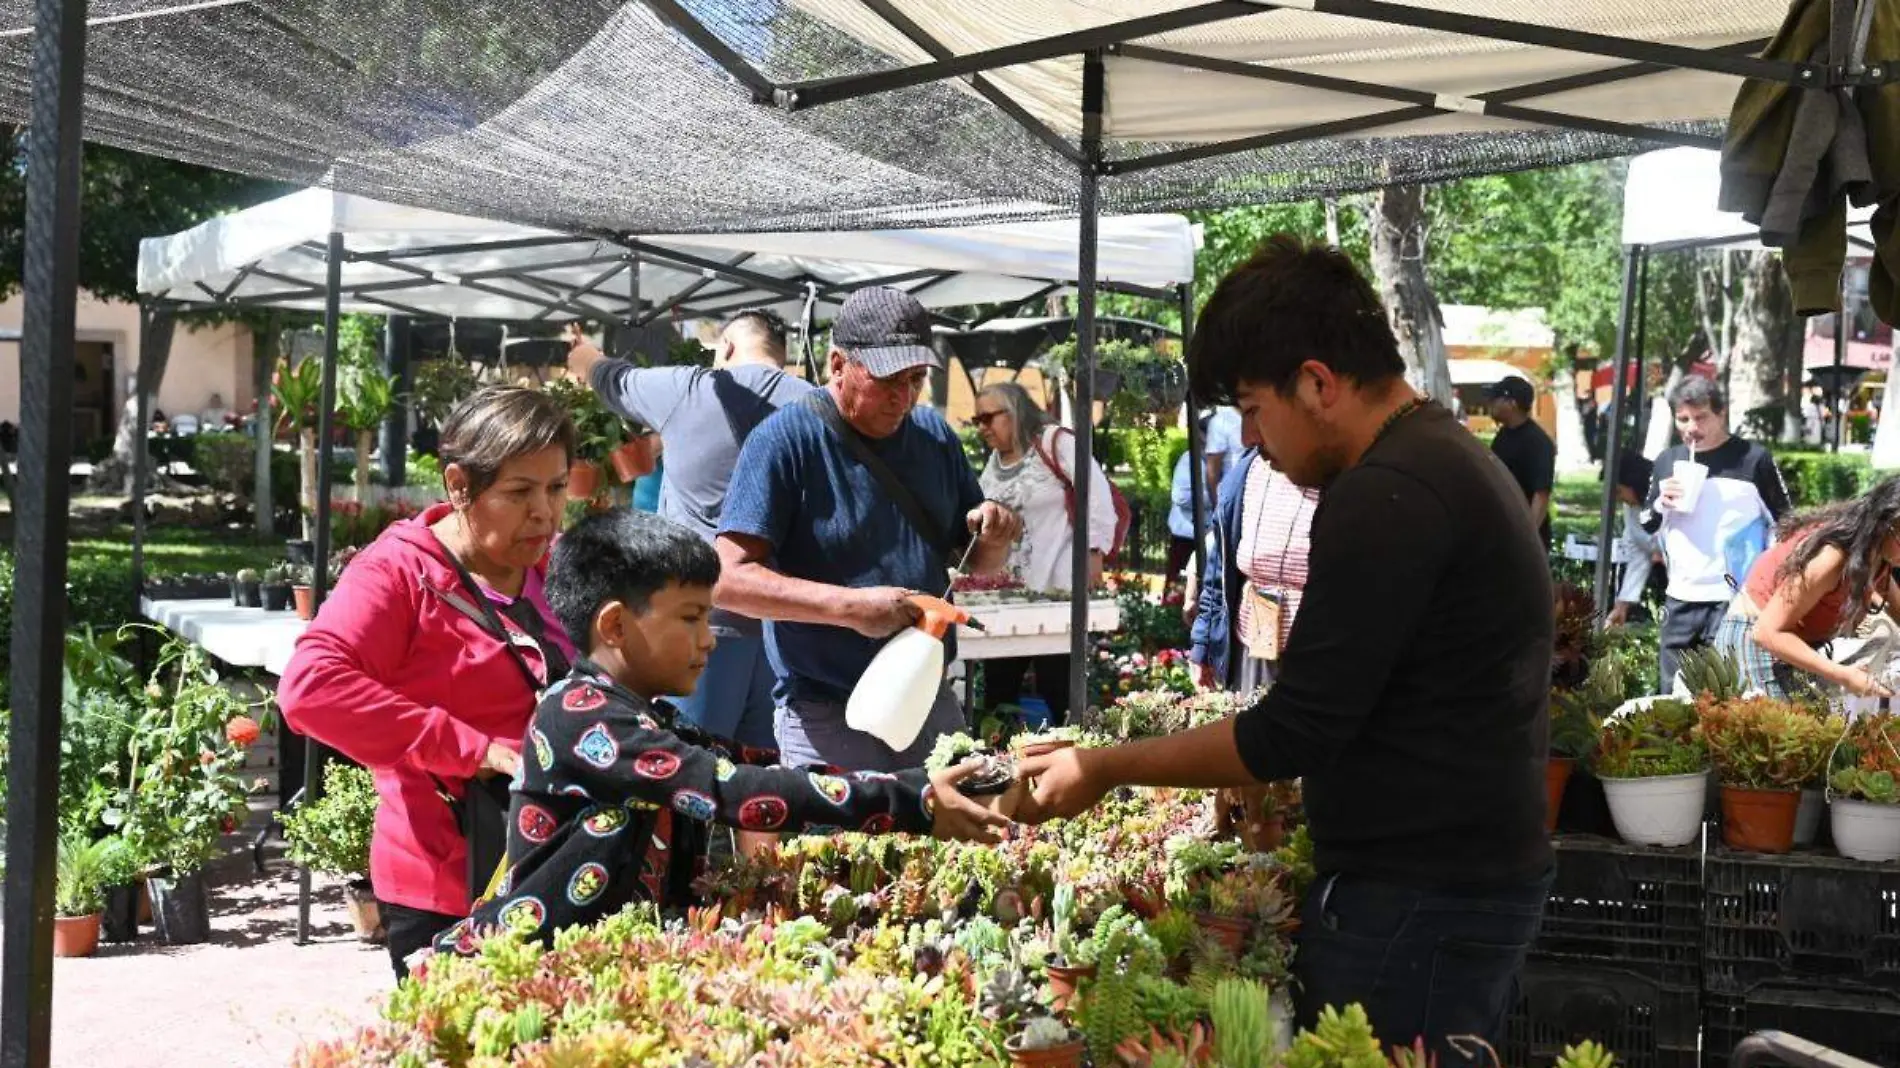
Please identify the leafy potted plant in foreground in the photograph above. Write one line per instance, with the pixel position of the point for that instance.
(1865, 807)
(332, 835)
(122, 875)
(78, 896)
(1655, 774)
(1575, 717)
(1764, 750)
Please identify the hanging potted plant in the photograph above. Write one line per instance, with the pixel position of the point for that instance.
(633, 459)
(1764, 750)
(332, 835)
(1865, 806)
(1655, 774)
(297, 392)
(598, 433)
(366, 394)
(78, 896)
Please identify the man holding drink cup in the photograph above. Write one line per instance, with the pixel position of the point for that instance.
(1714, 501)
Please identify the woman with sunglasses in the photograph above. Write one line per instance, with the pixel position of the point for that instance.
(1818, 582)
(1030, 470)
(425, 662)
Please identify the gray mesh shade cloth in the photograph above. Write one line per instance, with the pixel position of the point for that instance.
(426, 262)
(602, 116)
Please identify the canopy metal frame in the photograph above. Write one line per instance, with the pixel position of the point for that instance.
(51, 282)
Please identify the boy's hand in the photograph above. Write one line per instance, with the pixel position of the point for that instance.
(957, 818)
(501, 760)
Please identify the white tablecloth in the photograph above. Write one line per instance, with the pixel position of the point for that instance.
(241, 637)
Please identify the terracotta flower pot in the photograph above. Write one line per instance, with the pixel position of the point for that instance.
(1068, 1055)
(365, 915)
(632, 460)
(1231, 932)
(75, 936)
(306, 599)
(1556, 777)
(583, 480)
(1062, 983)
(1759, 821)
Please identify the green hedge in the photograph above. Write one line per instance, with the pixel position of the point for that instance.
(1815, 478)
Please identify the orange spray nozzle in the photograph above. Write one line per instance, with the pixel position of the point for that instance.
(940, 615)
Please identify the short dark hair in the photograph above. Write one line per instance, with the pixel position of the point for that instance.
(496, 424)
(622, 555)
(764, 324)
(1698, 392)
(1291, 302)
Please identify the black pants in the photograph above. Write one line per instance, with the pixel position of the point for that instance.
(1686, 625)
(1180, 551)
(1003, 683)
(1424, 964)
(409, 930)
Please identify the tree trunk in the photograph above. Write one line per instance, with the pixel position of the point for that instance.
(1767, 354)
(1398, 262)
(263, 363)
(307, 462)
(114, 473)
(365, 442)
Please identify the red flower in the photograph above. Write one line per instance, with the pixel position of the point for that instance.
(229, 825)
(242, 731)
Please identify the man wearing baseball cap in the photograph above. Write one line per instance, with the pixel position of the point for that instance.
(1526, 451)
(842, 505)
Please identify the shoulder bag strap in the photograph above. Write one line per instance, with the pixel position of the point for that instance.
(491, 621)
(819, 401)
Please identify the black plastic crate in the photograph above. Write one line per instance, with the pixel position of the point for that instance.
(1803, 915)
(1860, 1022)
(1647, 1024)
(1626, 906)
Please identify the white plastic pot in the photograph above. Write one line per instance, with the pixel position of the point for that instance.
(1661, 811)
(1866, 831)
(1807, 819)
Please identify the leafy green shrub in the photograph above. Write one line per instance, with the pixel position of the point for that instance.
(332, 834)
(227, 460)
(1815, 478)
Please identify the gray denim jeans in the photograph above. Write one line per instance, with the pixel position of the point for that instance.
(814, 732)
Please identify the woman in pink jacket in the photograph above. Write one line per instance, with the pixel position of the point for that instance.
(425, 663)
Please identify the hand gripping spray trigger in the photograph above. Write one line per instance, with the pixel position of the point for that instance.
(893, 698)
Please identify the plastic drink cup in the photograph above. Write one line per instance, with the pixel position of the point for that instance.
(1691, 476)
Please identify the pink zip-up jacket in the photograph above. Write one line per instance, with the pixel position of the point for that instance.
(394, 675)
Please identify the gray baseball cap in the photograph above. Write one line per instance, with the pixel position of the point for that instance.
(886, 330)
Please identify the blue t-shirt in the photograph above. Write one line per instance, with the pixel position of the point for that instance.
(798, 487)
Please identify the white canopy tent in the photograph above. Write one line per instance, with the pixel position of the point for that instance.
(422, 262)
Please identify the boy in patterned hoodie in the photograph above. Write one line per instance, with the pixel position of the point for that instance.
(614, 799)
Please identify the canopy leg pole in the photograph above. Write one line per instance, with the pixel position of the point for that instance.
(41, 500)
(1639, 408)
(320, 580)
(1613, 448)
(1841, 327)
(263, 366)
(1088, 206)
(1197, 442)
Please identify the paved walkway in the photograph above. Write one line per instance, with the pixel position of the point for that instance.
(247, 999)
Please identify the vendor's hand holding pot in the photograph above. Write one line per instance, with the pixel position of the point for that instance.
(1857, 682)
(1063, 784)
(956, 817)
(881, 611)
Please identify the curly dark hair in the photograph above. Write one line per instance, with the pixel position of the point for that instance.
(1858, 528)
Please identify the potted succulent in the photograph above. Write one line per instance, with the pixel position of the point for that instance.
(1764, 750)
(1576, 716)
(1045, 1042)
(245, 589)
(1865, 806)
(1074, 957)
(332, 835)
(122, 874)
(303, 590)
(78, 896)
(1655, 774)
(994, 786)
(275, 589)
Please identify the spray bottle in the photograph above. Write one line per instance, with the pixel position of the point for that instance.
(893, 698)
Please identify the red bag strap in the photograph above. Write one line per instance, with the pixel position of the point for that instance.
(1049, 459)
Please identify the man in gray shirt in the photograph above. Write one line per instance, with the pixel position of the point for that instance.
(703, 416)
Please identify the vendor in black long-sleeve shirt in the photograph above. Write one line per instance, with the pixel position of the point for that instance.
(1413, 692)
